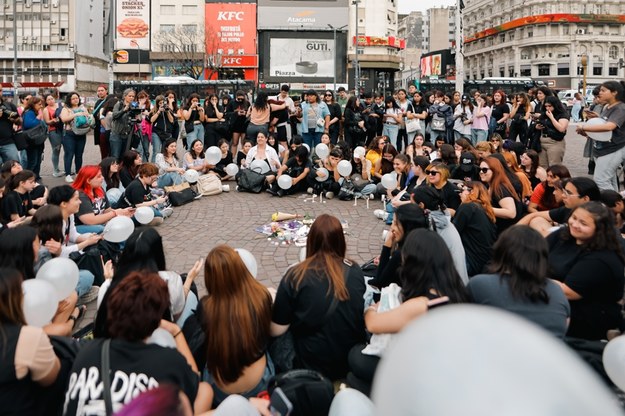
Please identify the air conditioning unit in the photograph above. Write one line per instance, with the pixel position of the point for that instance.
(62, 37)
(52, 22)
(55, 4)
(34, 41)
(581, 31)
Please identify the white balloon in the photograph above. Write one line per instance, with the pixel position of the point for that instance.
(191, 175)
(603, 136)
(322, 150)
(306, 146)
(212, 155)
(114, 194)
(614, 361)
(62, 274)
(389, 181)
(285, 181)
(249, 260)
(118, 229)
(359, 152)
(144, 215)
(162, 337)
(324, 175)
(259, 164)
(232, 169)
(40, 302)
(344, 168)
(484, 349)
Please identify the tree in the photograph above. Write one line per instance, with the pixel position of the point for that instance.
(184, 47)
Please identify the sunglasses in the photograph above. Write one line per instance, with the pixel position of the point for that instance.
(328, 95)
(484, 170)
(432, 172)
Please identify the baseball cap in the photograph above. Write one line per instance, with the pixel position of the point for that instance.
(467, 161)
(311, 92)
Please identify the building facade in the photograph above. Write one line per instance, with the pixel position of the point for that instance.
(410, 28)
(545, 41)
(60, 44)
(439, 29)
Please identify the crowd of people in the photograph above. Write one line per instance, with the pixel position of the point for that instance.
(480, 206)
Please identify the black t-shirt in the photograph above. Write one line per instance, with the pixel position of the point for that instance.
(503, 223)
(135, 367)
(16, 203)
(478, 235)
(322, 346)
(335, 111)
(125, 176)
(240, 157)
(136, 193)
(560, 215)
(450, 196)
(6, 126)
(388, 268)
(597, 276)
(97, 207)
(499, 110)
(294, 169)
(473, 174)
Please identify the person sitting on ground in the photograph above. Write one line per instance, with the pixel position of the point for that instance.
(138, 194)
(11, 168)
(331, 185)
(298, 168)
(577, 191)
(320, 301)
(169, 170)
(543, 197)
(17, 203)
(242, 154)
(136, 307)
(130, 162)
(226, 159)
(237, 361)
(195, 158)
(614, 201)
(438, 178)
(262, 153)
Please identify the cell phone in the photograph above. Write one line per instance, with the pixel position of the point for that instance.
(279, 404)
(433, 303)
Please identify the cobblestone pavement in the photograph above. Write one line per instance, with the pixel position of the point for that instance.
(230, 218)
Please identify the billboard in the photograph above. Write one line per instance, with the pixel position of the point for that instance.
(431, 65)
(231, 34)
(132, 24)
(302, 14)
(296, 57)
(438, 65)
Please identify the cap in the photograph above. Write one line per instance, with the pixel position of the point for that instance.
(465, 98)
(467, 161)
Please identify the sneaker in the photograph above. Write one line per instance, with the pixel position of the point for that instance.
(197, 196)
(329, 195)
(89, 297)
(381, 214)
(167, 211)
(310, 190)
(271, 191)
(58, 174)
(69, 179)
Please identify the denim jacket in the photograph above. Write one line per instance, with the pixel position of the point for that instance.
(322, 112)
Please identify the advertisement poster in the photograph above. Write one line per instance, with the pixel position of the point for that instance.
(231, 28)
(305, 58)
(309, 15)
(132, 28)
(431, 65)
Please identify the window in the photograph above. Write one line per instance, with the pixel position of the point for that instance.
(597, 70)
(167, 9)
(189, 10)
(613, 71)
(167, 28)
(189, 28)
(510, 71)
(563, 69)
(526, 71)
(544, 70)
(613, 52)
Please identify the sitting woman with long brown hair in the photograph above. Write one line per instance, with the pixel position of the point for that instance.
(320, 302)
(237, 313)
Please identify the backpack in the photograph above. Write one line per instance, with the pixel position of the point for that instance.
(209, 184)
(82, 124)
(309, 392)
(57, 114)
(438, 122)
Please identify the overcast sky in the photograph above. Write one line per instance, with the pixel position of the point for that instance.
(407, 6)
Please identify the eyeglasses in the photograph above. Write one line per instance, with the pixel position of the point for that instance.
(328, 95)
(568, 193)
(432, 172)
(484, 170)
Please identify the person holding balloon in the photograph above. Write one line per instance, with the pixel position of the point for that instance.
(28, 360)
(169, 170)
(326, 178)
(263, 157)
(225, 159)
(360, 174)
(195, 159)
(94, 211)
(292, 175)
(138, 195)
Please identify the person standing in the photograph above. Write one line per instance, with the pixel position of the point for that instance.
(290, 106)
(120, 125)
(315, 119)
(73, 144)
(8, 118)
(51, 115)
(101, 93)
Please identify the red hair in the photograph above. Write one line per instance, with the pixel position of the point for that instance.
(81, 183)
(503, 96)
(499, 179)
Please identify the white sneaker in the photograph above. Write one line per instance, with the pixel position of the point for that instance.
(381, 214)
(329, 195)
(167, 211)
(58, 174)
(69, 179)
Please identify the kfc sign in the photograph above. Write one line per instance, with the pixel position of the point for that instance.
(243, 61)
(227, 16)
(230, 29)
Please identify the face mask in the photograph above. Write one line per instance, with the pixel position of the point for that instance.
(239, 100)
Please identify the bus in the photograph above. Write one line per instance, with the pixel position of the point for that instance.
(184, 87)
(487, 85)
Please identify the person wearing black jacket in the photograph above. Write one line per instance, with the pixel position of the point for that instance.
(335, 116)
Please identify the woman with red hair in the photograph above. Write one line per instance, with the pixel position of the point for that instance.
(95, 210)
(504, 199)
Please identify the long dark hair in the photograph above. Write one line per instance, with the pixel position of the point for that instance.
(111, 178)
(16, 250)
(410, 217)
(128, 162)
(260, 104)
(605, 237)
(11, 299)
(520, 254)
(562, 173)
(48, 221)
(616, 86)
(387, 165)
(428, 269)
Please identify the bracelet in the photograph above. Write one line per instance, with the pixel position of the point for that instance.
(178, 333)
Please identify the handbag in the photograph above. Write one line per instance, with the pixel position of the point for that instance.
(346, 193)
(181, 198)
(209, 184)
(177, 188)
(222, 127)
(309, 392)
(412, 125)
(188, 126)
(250, 180)
(21, 142)
(37, 135)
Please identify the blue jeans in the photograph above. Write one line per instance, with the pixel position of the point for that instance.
(478, 136)
(85, 281)
(197, 133)
(391, 131)
(367, 190)
(312, 139)
(73, 147)
(9, 152)
(144, 148)
(84, 229)
(169, 179)
(157, 144)
(34, 155)
(116, 144)
(56, 140)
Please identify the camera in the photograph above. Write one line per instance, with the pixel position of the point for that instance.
(134, 109)
(7, 112)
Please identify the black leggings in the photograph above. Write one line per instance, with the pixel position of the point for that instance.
(361, 369)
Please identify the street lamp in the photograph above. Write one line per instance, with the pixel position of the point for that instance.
(15, 50)
(335, 29)
(584, 69)
(356, 63)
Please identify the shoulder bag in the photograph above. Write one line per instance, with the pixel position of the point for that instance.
(309, 392)
(209, 184)
(37, 135)
(412, 125)
(249, 180)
